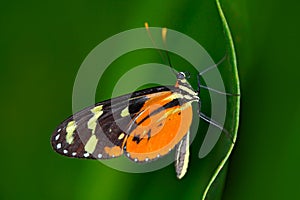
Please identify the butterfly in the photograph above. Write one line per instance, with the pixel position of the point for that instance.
(144, 126)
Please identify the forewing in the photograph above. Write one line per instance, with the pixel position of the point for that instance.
(100, 131)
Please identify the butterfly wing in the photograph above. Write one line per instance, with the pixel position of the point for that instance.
(81, 135)
(100, 131)
(161, 126)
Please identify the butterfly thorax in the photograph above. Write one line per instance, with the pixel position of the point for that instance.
(185, 90)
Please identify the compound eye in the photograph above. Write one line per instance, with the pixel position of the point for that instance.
(181, 75)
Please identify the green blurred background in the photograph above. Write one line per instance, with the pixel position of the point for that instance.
(42, 45)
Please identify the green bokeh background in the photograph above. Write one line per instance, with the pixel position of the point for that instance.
(42, 45)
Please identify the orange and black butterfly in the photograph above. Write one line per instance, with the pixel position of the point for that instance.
(143, 126)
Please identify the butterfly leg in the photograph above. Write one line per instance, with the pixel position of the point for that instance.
(216, 124)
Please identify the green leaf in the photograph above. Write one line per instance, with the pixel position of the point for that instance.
(234, 103)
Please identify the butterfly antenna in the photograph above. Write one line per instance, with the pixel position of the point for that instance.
(213, 66)
(153, 41)
(164, 36)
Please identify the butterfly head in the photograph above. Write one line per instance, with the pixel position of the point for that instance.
(183, 75)
(181, 78)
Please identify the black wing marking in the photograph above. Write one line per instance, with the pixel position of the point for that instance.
(83, 136)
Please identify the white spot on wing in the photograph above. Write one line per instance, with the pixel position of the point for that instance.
(57, 137)
(135, 160)
(59, 130)
(86, 155)
(74, 154)
(99, 155)
(58, 146)
(65, 151)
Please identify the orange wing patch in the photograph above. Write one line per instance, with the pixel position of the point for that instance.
(159, 133)
(113, 151)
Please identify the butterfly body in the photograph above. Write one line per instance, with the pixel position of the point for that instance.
(143, 126)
